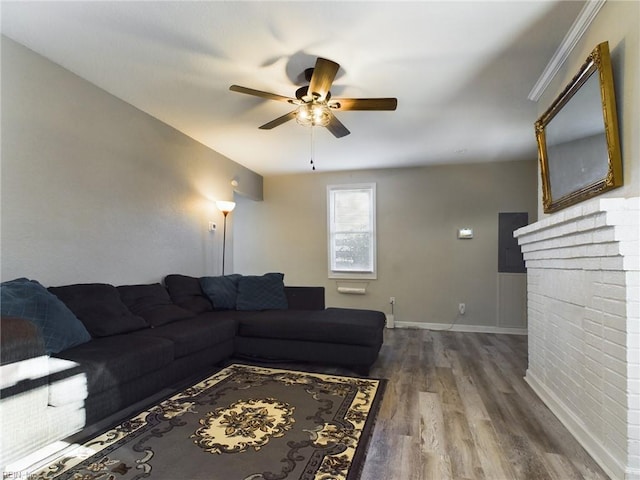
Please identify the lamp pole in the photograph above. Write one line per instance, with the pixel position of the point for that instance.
(224, 238)
(225, 208)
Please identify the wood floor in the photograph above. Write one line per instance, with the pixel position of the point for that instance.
(457, 407)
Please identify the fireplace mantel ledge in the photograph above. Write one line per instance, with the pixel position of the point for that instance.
(622, 206)
(610, 211)
(600, 228)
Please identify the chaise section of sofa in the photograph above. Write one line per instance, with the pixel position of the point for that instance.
(337, 336)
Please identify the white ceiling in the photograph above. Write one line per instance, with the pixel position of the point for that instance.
(461, 72)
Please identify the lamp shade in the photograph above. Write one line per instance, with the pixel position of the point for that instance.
(224, 206)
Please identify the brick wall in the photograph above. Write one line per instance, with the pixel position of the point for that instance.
(583, 274)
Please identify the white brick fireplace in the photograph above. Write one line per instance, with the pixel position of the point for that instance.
(583, 273)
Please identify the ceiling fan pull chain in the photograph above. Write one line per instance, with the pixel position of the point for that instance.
(313, 167)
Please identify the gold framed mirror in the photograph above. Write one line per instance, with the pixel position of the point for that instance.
(578, 143)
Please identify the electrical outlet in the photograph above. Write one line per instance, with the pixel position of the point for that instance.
(392, 300)
(462, 308)
(212, 226)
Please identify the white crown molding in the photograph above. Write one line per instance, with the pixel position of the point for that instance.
(575, 33)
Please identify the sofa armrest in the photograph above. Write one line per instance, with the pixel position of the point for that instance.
(19, 340)
(305, 298)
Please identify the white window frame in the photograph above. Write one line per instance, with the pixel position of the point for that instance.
(370, 188)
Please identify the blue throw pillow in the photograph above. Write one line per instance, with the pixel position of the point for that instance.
(29, 300)
(222, 291)
(264, 292)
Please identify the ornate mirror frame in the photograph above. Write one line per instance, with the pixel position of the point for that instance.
(578, 144)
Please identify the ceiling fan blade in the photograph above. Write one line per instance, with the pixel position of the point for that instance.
(336, 127)
(364, 103)
(323, 74)
(279, 121)
(260, 93)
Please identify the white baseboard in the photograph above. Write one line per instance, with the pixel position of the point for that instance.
(462, 328)
(612, 466)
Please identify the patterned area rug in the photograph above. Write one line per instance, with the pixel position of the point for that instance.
(242, 423)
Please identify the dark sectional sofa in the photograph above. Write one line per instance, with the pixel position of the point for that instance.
(115, 346)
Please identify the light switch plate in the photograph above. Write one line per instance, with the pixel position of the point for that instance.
(465, 233)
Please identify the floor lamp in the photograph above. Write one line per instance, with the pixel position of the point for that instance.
(226, 208)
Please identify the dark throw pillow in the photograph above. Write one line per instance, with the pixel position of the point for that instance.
(222, 291)
(185, 292)
(99, 307)
(29, 300)
(152, 302)
(264, 292)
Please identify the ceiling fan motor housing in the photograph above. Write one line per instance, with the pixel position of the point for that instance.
(308, 73)
(303, 94)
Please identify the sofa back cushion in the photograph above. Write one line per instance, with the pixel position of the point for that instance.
(264, 292)
(28, 299)
(222, 291)
(152, 302)
(99, 307)
(186, 292)
(305, 298)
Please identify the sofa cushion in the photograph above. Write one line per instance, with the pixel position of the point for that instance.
(152, 302)
(222, 291)
(333, 325)
(186, 292)
(99, 307)
(195, 334)
(108, 362)
(264, 292)
(58, 325)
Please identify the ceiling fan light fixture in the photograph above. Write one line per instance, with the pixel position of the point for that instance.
(313, 115)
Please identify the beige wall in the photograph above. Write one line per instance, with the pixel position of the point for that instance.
(94, 190)
(420, 260)
(618, 23)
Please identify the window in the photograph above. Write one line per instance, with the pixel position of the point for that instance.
(352, 230)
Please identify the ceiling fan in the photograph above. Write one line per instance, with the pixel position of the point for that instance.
(314, 103)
